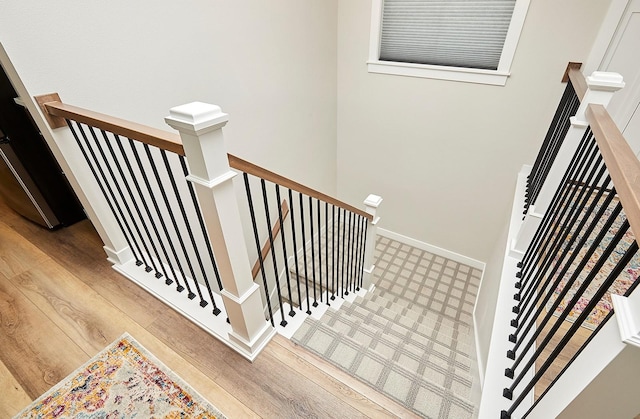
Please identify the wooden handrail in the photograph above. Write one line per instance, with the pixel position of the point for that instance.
(621, 162)
(148, 135)
(252, 169)
(55, 111)
(267, 245)
(578, 82)
(572, 72)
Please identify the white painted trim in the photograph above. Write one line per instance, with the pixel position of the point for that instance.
(121, 256)
(513, 35)
(216, 326)
(493, 378)
(213, 182)
(605, 35)
(476, 340)
(293, 323)
(432, 249)
(469, 75)
(628, 318)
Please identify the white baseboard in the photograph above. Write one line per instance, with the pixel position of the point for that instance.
(474, 263)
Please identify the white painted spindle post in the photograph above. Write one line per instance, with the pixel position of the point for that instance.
(371, 206)
(200, 126)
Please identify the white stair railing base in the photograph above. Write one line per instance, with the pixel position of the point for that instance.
(493, 377)
(202, 317)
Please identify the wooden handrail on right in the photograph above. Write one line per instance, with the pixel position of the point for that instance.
(56, 112)
(621, 162)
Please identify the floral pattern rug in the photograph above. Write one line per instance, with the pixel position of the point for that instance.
(619, 287)
(124, 380)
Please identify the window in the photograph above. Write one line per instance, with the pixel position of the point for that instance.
(463, 40)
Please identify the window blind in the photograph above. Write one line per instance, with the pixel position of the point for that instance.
(459, 33)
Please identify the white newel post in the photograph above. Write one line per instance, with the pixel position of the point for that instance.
(371, 206)
(600, 89)
(200, 126)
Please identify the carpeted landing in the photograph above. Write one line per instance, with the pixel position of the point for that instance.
(411, 337)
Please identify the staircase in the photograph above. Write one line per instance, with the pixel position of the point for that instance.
(411, 338)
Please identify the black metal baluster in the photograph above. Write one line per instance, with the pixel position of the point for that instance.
(572, 256)
(304, 252)
(546, 144)
(554, 221)
(284, 250)
(552, 141)
(111, 202)
(203, 302)
(326, 245)
(526, 263)
(295, 248)
(313, 257)
(358, 266)
(113, 197)
(613, 275)
(364, 248)
(338, 255)
(344, 224)
(148, 266)
(319, 249)
(552, 259)
(349, 255)
(143, 200)
(145, 179)
(257, 240)
(352, 257)
(165, 199)
(601, 234)
(334, 276)
(560, 134)
(187, 258)
(273, 251)
(572, 213)
(205, 236)
(136, 207)
(154, 169)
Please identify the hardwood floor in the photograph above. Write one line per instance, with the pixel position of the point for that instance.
(61, 303)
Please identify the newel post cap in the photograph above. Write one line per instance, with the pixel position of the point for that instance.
(605, 81)
(196, 117)
(373, 201)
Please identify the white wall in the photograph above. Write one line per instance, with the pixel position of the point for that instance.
(270, 65)
(444, 155)
(613, 393)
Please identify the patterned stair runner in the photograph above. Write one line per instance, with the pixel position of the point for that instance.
(410, 339)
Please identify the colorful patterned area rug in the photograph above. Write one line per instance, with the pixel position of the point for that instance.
(619, 287)
(122, 381)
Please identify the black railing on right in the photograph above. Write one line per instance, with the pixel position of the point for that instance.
(583, 251)
(558, 129)
(314, 257)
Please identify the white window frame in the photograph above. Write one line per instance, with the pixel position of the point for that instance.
(470, 75)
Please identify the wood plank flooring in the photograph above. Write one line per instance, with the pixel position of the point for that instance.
(61, 303)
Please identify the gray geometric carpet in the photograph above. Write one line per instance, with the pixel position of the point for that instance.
(411, 338)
